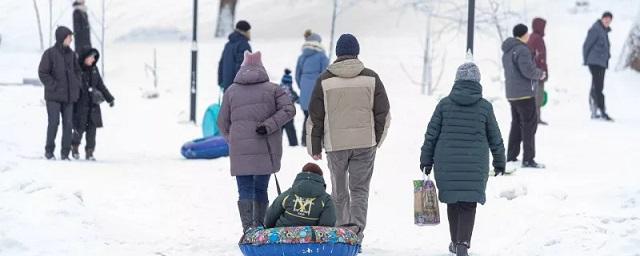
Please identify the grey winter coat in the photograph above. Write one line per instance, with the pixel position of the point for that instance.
(59, 71)
(596, 49)
(249, 102)
(520, 72)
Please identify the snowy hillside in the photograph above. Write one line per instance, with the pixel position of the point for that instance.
(142, 198)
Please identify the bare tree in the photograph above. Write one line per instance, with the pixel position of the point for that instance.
(35, 6)
(226, 17)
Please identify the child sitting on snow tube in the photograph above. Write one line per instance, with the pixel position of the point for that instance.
(305, 204)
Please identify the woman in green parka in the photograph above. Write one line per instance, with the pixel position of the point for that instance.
(462, 131)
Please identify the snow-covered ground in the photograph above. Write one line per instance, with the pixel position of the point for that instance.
(142, 198)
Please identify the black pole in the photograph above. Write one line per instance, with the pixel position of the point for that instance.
(194, 62)
(470, 25)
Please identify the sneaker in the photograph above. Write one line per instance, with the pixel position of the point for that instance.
(74, 152)
(65, 158)
(606, 117)
(532, 164)
(49, 156)
(452, 248)
(511, 167)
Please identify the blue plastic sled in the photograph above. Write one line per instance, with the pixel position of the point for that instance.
(206, 148)
(210, 121)
(323, 249)
(300, 241)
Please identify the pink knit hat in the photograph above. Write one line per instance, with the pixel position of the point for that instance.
(252, 59)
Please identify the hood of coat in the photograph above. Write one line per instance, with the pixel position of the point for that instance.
(61, 33)
(308, 184)
(539, 25)
(598, 25)
(86, 54)
(466, 92)
(251, 74)
(237, 36)
(511, 43)
(346, 67)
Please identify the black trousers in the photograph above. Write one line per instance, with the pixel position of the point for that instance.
(597, 86)
(462, 217)
(524, 124)
(91, 131)
(54, 111)
(304, 127)
(290, 129)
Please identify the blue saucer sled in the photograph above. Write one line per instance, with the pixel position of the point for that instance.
(205, 148)
(300, 241)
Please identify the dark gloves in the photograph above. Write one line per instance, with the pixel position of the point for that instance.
(426, 169)
(262, 130)
(499, 171)
(112, 103)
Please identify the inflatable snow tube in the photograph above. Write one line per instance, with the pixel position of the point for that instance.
(210, 121)
(300, 241)
(206, 148)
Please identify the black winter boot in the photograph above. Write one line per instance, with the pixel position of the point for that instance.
(452, 248)
(75, 153)
(259, 212)
(245, 208)
(89, 155)
(49, 156)
(462, 249)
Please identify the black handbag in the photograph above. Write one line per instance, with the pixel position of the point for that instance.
(96, 96)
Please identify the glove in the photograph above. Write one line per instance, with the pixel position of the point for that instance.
(111, 104)
(262, 130)
(498, 171)
(426, 169)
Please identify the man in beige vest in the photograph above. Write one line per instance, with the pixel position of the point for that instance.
(349, 117)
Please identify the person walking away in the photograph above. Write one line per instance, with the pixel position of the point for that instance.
(311, 63)
(539, 49)
(251, 117)
(81, 27)
(596, 52)
(233, 54)
(349, 117)
(59, 73)
(521, 79)
(462, 131)
(87, 116)
(287, 85)
(305, 204)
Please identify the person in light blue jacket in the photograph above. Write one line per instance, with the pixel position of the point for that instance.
(311, 63)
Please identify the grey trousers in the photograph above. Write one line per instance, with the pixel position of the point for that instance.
(351, 172)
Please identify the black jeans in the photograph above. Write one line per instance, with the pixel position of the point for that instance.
(597, 86)
(290, 129)
(304, 127)
(524, 124)
(54, 111)
(91, 131)
(462, 217)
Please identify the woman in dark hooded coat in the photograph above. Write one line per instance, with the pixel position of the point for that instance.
(87, 115)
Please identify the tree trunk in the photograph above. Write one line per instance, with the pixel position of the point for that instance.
(226, 17)
(35, 6)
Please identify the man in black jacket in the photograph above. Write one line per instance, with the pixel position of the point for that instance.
(59, 73)
(81, 27)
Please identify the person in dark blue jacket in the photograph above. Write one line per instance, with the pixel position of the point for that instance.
(596, 52)
(311, 63)
(233, 54)
(287, 85)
